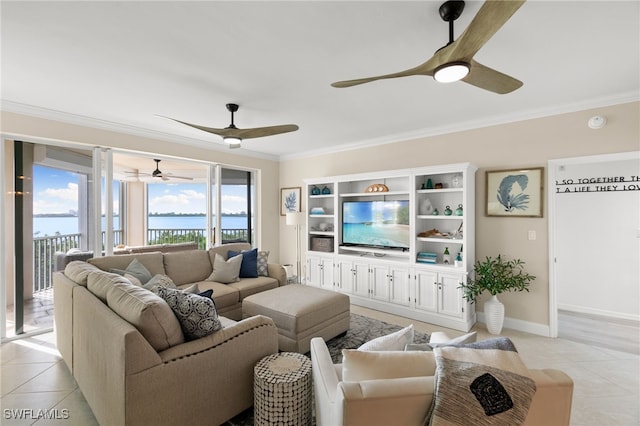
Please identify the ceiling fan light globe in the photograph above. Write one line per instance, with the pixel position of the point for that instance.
(450, 72)
(232, 141)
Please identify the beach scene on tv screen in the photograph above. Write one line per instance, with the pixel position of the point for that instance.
(376, 223)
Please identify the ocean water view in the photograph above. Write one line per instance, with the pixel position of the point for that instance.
(49, 226)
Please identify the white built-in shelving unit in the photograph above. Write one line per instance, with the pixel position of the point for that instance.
(396, 280)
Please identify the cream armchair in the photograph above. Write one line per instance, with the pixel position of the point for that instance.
(406, 400)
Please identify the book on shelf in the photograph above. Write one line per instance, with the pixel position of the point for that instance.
(429, 261)
(426, 255)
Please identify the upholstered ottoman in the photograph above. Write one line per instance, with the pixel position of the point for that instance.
(300, 312)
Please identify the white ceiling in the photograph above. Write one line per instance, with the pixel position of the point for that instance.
(122, 64)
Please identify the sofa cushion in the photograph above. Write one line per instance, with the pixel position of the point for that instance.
(79, 271)
(185, 267)
(226, 271)
(263, 263)
(249, 266)
(99, 283)
(370, 365)
(395, 341)
(148, 312)
(224, 295)
(137, 269)
(151, 261)
(249, 286)
(196, 314)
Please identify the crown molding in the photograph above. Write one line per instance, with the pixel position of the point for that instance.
(474, 124)
(497, 120)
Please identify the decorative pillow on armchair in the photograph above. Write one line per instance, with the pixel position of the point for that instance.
(391, 342)
(481, 383)
(226, 271)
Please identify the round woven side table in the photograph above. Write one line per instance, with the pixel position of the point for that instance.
(282, 390)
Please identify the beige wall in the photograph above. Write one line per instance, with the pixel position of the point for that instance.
(40, 130)
(528, 143)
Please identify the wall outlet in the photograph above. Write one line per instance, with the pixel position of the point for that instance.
(531, 235)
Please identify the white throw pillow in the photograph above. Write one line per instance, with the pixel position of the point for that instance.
(364, 365)
(391, 342)
(439, 339)
(226, 271)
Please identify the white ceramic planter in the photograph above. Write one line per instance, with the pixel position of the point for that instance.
(494, 315)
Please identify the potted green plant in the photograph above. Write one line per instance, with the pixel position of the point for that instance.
(496, 275)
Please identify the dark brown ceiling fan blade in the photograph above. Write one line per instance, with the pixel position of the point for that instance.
(489, 19)
(491, 80)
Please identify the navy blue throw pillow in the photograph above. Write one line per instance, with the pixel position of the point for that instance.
(207, 293)
(249, 266)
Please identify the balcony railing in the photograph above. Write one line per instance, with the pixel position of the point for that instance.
(45, 248)
(44, 251)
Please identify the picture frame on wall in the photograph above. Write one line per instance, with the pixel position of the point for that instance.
(515, 193)
(290, 200)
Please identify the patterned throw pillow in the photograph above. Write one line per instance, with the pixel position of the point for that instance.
(226, 271)
(197, 314)
(484, 383)
(263, 262)
(391, 342)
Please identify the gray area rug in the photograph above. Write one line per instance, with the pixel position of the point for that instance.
(361, 330)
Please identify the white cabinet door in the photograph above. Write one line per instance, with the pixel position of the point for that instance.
(326, 274)
(344, 276)
(426, 288)
(379, 282)
(320, 272)
(399, 286)
(360, 278)
(450, 294)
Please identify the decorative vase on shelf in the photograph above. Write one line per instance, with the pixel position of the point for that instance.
(494, 315)
(456, 181)
(315, 191)
(425, 206)
(447, 211)
(459, 211)
(326, 190)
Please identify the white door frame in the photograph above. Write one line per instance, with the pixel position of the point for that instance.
(552, 166)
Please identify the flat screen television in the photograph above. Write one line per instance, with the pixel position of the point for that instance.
(380, 224)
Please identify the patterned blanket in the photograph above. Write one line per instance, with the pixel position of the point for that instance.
(483, 383)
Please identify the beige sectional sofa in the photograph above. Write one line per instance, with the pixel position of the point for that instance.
(132, 362)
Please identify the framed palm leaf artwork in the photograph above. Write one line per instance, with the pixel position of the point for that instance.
(289, 200)
(515, 193)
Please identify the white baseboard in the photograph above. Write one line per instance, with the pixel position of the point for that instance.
(520, 325)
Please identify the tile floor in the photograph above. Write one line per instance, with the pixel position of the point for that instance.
(606, 392)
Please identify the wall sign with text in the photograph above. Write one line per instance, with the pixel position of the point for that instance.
(598, 184)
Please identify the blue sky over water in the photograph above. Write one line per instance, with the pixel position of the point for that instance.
(56, 191)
